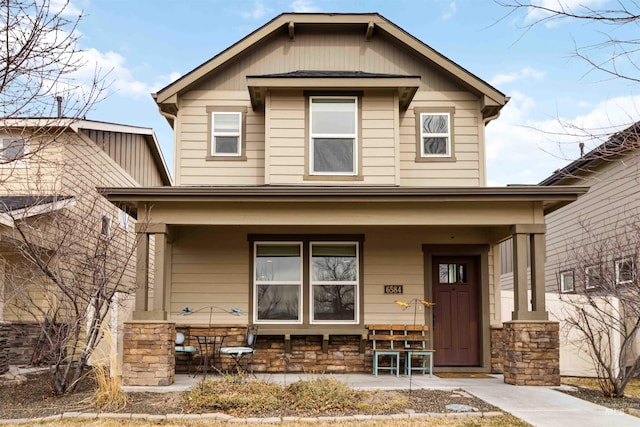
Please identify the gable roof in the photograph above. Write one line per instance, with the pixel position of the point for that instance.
(77, 124)
(620, 143)
(492, 99)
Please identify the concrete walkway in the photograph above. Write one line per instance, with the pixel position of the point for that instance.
(539, 406)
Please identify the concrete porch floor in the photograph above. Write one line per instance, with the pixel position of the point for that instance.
(539, 406)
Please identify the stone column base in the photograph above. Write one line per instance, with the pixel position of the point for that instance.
(148, 353)
(532, 353)
(497, 349)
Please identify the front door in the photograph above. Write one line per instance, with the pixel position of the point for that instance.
(456, 316)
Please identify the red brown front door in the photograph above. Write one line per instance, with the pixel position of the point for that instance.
(456, 317)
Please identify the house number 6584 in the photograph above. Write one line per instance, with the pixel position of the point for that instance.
(393, 289)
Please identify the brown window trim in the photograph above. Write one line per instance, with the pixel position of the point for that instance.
(452, 155)
(243, 133)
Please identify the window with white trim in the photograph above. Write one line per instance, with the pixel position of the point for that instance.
(567, 283)
(625, 271)
(226, 133)
(278, 282)
(334, 282)
(283, 282)
(333, 135)
(123, 219)
(12, 150)
(592, 279)
(435, 135)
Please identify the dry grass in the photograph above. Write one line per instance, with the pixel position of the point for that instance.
(109, 394)
(240, 397)
(506, 420)
(632, 389)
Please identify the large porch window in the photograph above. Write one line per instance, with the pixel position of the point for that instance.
(288, 274)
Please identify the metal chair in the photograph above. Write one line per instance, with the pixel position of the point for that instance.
(243, 355)
(182, 346)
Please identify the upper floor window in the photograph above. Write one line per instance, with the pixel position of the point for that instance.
(567, 283)
(12, 149)
(226, 133)
(592, 277)
(333, 135)
(435, 134)
(434, 130)
(625, 271)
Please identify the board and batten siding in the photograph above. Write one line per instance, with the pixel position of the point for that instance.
(276, 138)
(611, 204)
(131, 152)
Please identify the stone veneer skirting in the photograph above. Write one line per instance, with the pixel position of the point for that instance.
(342, 356)
(532, 353)
(148, 354)
(497, 349)
(4, 348)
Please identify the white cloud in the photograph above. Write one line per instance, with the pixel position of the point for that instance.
(67, 9)
(259, 10)
(524, 151)
(450, 10)
(303, 6)
(525, 73)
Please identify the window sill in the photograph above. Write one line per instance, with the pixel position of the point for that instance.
(308, 177)
(420, 159)
(226, 158)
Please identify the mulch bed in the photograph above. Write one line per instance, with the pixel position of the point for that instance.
(36, 399)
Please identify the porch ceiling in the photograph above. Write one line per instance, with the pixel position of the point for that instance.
(269, 201)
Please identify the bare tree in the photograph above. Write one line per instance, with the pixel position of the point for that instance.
(66, 269)
(40, 66)
(614, 56)
(602, 302)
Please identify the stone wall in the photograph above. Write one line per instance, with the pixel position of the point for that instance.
(22, 341)
(4, 347)
(497, 350)
(343, 353)
(532, 353)
(148, 354)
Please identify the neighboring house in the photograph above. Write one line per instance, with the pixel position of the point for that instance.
(48, 166)
(326, 166)
(592, 244)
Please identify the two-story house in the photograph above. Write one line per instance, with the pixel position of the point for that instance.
(322, 162)
(49, 171)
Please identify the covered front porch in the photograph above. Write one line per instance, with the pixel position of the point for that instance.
(209, 245)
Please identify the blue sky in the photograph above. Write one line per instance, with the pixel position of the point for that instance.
(146, 44)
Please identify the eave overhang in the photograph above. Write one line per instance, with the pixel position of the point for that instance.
(372, 23)
(552, 198)
(405, 86)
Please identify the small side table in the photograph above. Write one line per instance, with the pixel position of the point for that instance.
(209, 347)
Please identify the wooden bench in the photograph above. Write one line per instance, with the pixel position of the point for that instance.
(396, 340)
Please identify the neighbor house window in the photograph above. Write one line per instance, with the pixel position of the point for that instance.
(334, 282)
(566, 281)
(306, 282)
(123, 219)
(105, 226)
(12, 149)
(625, 271)
(278, 282)
(592, 277)
(333, 135)
(226, 133)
